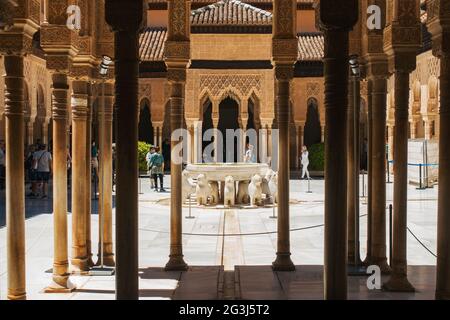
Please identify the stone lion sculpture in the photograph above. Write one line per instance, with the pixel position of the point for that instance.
(188, 186)
(229, 193)
(273, 187)
(242, 194)
(214, 195)
(265, 183)
(203, 190)
(255, 190)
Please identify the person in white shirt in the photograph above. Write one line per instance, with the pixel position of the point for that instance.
(250, 156)
(42, 162)
(305, 162)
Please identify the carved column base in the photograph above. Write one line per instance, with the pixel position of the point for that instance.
(382, 263)
(398, 283)
(283, 262)
(176, 263)
(80, 265)
(12, 296)
(60, 284)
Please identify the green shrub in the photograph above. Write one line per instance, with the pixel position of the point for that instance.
(143, 149)
(317, 157)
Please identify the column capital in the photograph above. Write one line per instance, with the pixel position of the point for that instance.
(337, 14)
(438, 23)
(80, 100)
(124, 16)
(402, 35)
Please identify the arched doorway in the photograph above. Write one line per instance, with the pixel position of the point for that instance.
(145, 123)
(207, 124)
(313, 133)
(228, 119)
(41, 114)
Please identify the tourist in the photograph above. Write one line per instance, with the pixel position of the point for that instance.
(42, 162)
(148, 159)
(250, 156)
(29, 170)
(305, 162)
(166, 149)
(94, 159)
(157, 169)
(2, 164)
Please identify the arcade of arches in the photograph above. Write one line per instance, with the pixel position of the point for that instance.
(221, 64)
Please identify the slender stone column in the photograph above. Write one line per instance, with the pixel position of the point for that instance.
(79, 210)
(351, 188)
(125, 18)
(177, 60)
(284, 51)
(60, 106)
(88, 182)
(198, 139)
(105, 183)
(398, 280)
(402, 51)
(439, 26)
(337, 17)
(216, 134)
(378, 180)
(15, 175)
(368, 259)
(283, 261)
(443, 236)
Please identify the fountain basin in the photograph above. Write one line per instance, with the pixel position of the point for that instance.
(219, 171)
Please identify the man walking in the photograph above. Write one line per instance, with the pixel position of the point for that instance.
(157, 169)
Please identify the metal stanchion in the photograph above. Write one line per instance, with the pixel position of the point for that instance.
(309, 186)
(274, 215)
(388, 171)
(421, 187)
(190, 216)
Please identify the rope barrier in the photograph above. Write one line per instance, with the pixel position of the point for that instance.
(419, 164)
(239, 234)
(421, 243)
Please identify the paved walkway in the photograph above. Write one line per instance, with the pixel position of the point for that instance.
(249, 243)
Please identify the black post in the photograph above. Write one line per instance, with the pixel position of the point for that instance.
(390, 234)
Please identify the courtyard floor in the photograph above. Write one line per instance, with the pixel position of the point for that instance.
(229, 251)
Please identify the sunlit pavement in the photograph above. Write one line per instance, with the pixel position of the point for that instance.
(249, 242)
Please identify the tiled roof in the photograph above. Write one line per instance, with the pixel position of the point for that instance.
(230, 12)
(310, 46)
(152, 40)
(151, 44)
(249, 1)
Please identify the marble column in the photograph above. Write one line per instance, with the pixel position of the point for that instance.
(15, 175)
(351, 187)
(336, 20)
(60, 106)
(284, 52)
(105, 175)
(79, 211)
(177, 60)
(398, 280)
(368, 259)
(88, 182)
(439, 26)
(378, 180)
(125, 18)
(402, 42)
(198, 141)
(443, 235)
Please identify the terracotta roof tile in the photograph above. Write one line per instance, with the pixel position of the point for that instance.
(151, 44)
(230, 12)
(310, 46)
